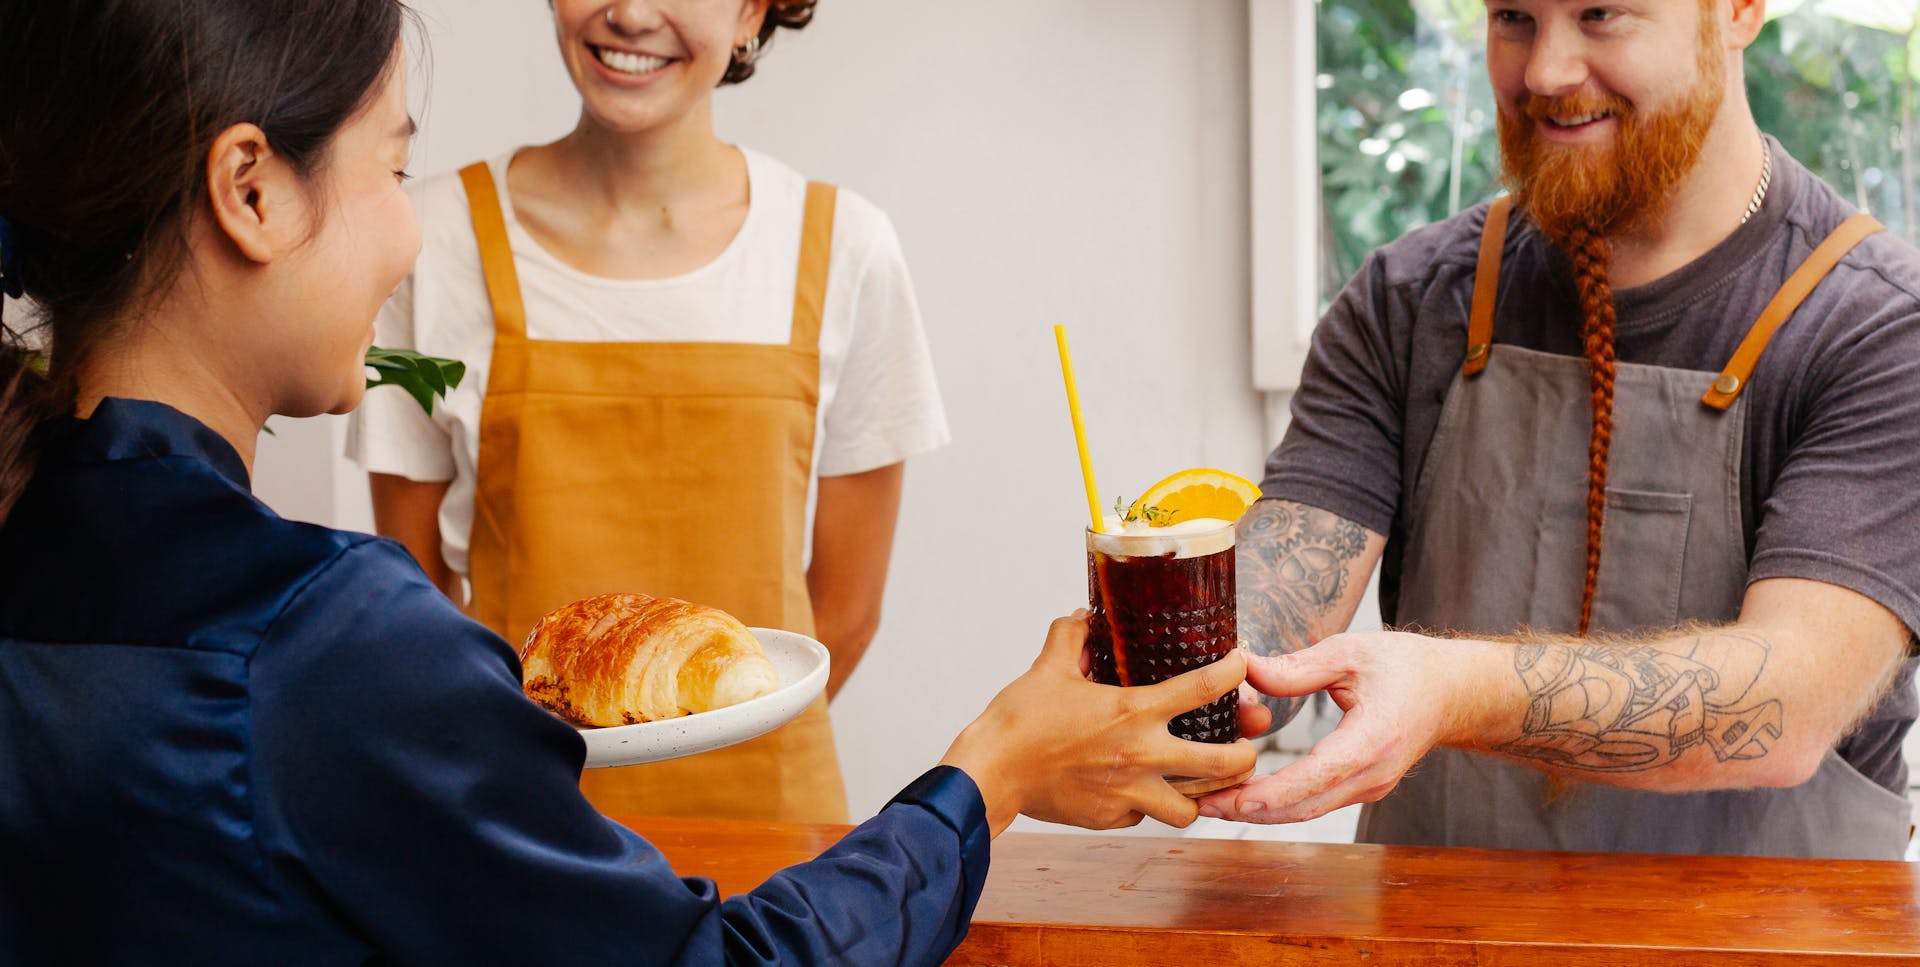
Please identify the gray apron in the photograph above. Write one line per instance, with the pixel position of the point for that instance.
(1498, 545)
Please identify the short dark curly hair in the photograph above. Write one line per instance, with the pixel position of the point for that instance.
(791, 14)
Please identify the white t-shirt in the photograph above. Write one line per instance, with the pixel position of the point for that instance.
(878, 400)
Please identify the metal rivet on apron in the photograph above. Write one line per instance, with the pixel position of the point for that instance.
(1727, 384)
(1476, 351)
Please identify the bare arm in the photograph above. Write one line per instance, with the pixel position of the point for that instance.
(853, 522)
(1758, 702)
(1301, 572)
(1755, 703)
(409, 512)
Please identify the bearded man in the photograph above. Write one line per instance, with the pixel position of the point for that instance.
(1639, 448)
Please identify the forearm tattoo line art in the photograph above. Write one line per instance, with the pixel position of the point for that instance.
(1291, 567)
(1627, 708)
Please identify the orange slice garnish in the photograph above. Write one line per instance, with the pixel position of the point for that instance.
(1196, 493)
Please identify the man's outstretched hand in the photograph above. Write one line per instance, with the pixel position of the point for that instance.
(1402, 695)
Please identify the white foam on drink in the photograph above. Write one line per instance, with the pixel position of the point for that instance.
(1189, 538)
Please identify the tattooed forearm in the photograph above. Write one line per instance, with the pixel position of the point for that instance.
(1629, 707)
(1291, 567)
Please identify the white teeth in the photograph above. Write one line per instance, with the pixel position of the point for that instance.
(1579, 119)
(627, 63)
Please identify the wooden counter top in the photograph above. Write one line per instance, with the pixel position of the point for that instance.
(1073, 899)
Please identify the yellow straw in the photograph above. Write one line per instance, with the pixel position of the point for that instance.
(1079, 431)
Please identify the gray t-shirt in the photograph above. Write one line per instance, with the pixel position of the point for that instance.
(1830, 481)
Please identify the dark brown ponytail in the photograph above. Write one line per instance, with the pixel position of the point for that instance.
(1592, 259)
(108, 109)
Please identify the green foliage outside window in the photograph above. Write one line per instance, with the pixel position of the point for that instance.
(1406, 116)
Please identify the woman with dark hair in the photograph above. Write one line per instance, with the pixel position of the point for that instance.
(231, 738)
(692, 373)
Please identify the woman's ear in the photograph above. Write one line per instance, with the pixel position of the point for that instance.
(1747, 19)
(752, 14)
(258, 200)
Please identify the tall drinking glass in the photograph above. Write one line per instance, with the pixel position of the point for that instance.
(1161, 602)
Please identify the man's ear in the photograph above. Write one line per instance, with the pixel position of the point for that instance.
(1748, 17)
(256, 197)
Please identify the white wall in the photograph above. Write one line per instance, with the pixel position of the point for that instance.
(1074, 161)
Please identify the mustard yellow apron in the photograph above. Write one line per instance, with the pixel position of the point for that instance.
(675, 469)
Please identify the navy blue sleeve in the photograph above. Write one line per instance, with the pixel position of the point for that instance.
(840, 908)
(404, 775)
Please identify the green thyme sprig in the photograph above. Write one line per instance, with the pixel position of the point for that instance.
(424, 377)
(1154, 516)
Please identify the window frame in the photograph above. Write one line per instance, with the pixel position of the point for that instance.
(1284, 188)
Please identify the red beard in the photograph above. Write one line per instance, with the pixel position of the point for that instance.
(1614, 188)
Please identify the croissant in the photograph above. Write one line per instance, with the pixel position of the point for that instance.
(618, 659)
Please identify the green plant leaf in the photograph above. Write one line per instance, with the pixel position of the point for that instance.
(423, 377)
(34, 359)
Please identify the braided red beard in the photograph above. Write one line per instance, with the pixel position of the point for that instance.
(1592, 261)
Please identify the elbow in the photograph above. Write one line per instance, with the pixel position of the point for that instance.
(1788, 765)
(852, 630)
(860, 633)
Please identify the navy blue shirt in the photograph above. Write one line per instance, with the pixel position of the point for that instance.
(230, 738)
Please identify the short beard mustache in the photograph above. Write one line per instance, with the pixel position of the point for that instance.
(1612, 189)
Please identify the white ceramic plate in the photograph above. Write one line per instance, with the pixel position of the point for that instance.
(802, 664)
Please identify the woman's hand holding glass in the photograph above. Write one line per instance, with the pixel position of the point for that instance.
(1062, 749)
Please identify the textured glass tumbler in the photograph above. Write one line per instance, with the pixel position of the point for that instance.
(1161, 605)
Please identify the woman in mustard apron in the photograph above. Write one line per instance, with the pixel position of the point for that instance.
(689, 368)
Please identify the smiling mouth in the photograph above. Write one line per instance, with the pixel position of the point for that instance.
(623, 62)
(1577, 120)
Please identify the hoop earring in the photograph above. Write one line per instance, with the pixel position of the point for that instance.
(748, 52)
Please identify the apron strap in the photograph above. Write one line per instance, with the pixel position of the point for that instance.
(1486, 284)
(1798, 286)
(496, 257)
(810, 284)
(501, 409)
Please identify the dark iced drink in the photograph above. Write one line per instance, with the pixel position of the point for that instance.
(1162, 603)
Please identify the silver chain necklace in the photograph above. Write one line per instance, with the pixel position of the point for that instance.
(1766, 178)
